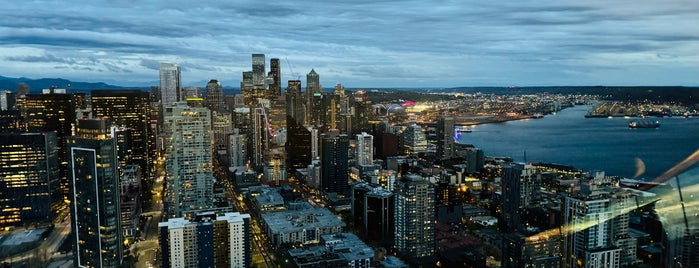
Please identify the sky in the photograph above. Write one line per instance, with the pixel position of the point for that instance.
(360, 43)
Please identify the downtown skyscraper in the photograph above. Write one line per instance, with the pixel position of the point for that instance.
(170, 83)
(29, 181)
(52, 110)
(415, 218)
(94, 196)
(129, 109)
(334, 148)
(189, 161)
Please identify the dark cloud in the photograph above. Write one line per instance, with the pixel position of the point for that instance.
(364, 41)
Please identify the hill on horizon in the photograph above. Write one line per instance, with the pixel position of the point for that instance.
(36, 85)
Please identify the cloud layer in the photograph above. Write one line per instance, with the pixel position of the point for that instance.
(358, 43)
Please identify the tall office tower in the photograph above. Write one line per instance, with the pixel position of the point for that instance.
(415, 218)
(258, 69)
(334, 162)
(189, 162)
(588, 214)
(7, 100)
(364, 155)
(298, 148)
(214, 96)
(170, 84)
(29, 192)
(344, 108)
(363, 114)
(236, 149)
(518, 183)
(277, 120)
(191, 92)
(313, 97)
(259, 135)
(413, 140)
(95, 196)
(275, 89)
(53, 110)
(130, 109)
(11, 121)
(294, 102)
(222, 122)
(624, 200)
(130, 205)
(206, 240)
(445, 137)
(122, 136)
(315, 142)
(374, 211)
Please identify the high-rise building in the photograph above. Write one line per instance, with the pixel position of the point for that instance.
(53, 110)
(130, 205)
(206, 240)
(29, 192)
(129, 109)
(334, 162)
(259, 135)
(445, 137)
(189, 162)
(214, 96)
(373, 210)
(7, 100)
(298, 151)
(415, 218)
(170, 83)
(414, 140)
(294, 103)
(589, 213)
(313, 98)
(275, 89)
(258, 69)
(222, 124)
(364, 155)
(236, 149)
(94, 197)
(518, 183)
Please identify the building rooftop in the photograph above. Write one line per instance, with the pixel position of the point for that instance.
(297, 220)
(348, 245)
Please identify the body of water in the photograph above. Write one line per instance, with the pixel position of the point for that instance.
(606, 144)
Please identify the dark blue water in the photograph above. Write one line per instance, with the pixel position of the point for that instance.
(606, 144)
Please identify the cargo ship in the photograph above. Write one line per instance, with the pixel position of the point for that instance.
(644, 124)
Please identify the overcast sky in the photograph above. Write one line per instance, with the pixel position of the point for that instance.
(358, 43)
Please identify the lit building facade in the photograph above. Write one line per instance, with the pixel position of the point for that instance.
(206, 240)
(364, 155)
(214, 96)
(29, 181)
(415, 218)
(189, 162)
(170, 83)
(129, 109)
(53, 110)
(95, 196)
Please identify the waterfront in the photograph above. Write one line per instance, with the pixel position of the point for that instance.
(606, 144)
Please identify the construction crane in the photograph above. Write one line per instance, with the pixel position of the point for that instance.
(293, 74)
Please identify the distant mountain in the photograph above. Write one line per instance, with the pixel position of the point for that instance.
(36, 85)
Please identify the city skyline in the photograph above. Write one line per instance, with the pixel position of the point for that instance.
(359, 44)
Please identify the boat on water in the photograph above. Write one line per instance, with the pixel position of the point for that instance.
(644, 124)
